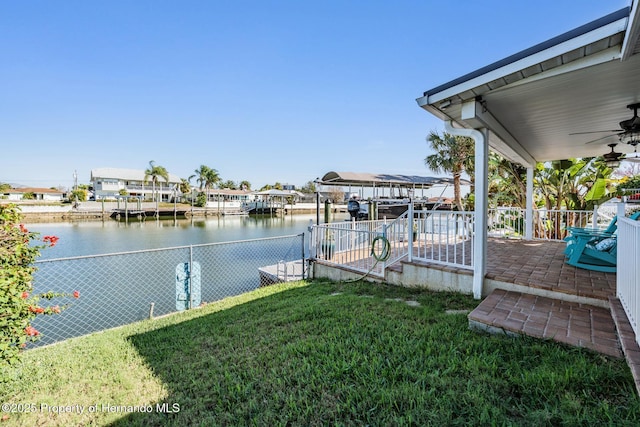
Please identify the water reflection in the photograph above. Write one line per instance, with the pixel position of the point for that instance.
(109, 236)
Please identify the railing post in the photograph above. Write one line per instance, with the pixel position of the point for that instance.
(410, 231)
(595, 216)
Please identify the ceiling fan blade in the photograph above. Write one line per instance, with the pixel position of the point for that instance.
(599, 139)
(594, 131)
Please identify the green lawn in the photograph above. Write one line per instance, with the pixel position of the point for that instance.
(320, 353)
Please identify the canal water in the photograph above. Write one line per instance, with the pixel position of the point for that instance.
(123, 287)
(111, 236)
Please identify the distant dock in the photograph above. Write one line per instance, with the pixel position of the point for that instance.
(282, 272)
(145, 213)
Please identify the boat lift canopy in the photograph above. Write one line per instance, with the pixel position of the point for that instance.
(385, 180)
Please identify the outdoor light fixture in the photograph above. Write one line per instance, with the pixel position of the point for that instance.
(612, 159)
(445, 104)
(631, 137)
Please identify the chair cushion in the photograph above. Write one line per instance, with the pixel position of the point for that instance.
(605, 244)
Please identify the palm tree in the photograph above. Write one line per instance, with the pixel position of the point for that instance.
(507, 182)
(453, 154)
(185, 186)
(201, 174)
(211, 179)
(154, 172)
(245, 185)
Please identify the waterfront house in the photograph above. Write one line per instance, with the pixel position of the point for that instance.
(111, 182)
(575, 95)
(29, 193)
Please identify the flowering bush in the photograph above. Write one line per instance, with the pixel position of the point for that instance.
(18, 304)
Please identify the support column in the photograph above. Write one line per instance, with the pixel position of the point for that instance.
(481, 138)
(528, 233)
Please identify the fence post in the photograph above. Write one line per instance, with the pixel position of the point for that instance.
(595, 216)
(190, 281)
(410, 231)
(302, 257)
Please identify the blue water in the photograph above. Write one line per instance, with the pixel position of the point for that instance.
(110, 236)
(119, 289)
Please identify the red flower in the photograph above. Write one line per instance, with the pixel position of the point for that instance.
(23, 228)
(76, 294)
(25, 295)
(55, 309)
(37, 310)
(51, 240)
(31, 331)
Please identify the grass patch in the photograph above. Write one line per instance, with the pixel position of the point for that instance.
(322, 353)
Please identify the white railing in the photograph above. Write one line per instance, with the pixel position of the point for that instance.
(348, 244)
(439, 237)
(443, 237)
(628, 270)
(506, 222)
(548, 224)
(551, 224)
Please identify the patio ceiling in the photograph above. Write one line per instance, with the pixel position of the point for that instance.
(535, 101)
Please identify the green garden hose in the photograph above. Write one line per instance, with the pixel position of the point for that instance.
(386, 249)
(386, 253)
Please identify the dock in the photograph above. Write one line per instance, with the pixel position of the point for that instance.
(144, 213)
(282, 272)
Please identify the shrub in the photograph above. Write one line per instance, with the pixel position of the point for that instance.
(18, 305)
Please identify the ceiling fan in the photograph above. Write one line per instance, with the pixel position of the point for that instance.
(629, 131)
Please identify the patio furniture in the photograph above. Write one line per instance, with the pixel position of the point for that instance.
(598, 256)
(598, 234)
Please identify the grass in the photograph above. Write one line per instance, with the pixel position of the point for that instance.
(321, 353)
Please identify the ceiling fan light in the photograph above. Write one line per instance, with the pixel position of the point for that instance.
(612, 163)
(631, 138)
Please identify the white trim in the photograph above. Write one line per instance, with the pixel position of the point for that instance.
(540, 57)
(633, 32)
(481, 138)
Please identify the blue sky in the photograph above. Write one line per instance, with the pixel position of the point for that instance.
(264, 91)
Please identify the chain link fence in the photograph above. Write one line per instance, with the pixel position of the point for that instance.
(121, 288)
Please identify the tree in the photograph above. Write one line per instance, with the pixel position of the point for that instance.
(201, 174)
(245, 185)
(155, 172)
(336, 194)
(229, 184)
(308, 188)
(211, 180)
(185, 186)
(453, 154)
(507, 182)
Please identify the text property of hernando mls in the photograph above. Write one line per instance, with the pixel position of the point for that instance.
(165, 408)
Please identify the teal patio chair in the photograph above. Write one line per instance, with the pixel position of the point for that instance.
(598, 256)
(598, 234)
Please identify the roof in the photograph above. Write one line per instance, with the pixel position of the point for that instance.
(539, 103)
(126, 174)
(382, 180)
(33, 190)
(275, 192)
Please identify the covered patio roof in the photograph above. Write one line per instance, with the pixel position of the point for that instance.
(551, 101)
(384, 180)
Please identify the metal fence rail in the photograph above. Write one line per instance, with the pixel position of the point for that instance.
(121, 288)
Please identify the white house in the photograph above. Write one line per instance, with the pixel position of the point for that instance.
(110, 182)
(44, 194)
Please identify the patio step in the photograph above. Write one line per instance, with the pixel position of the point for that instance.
(573, 323)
